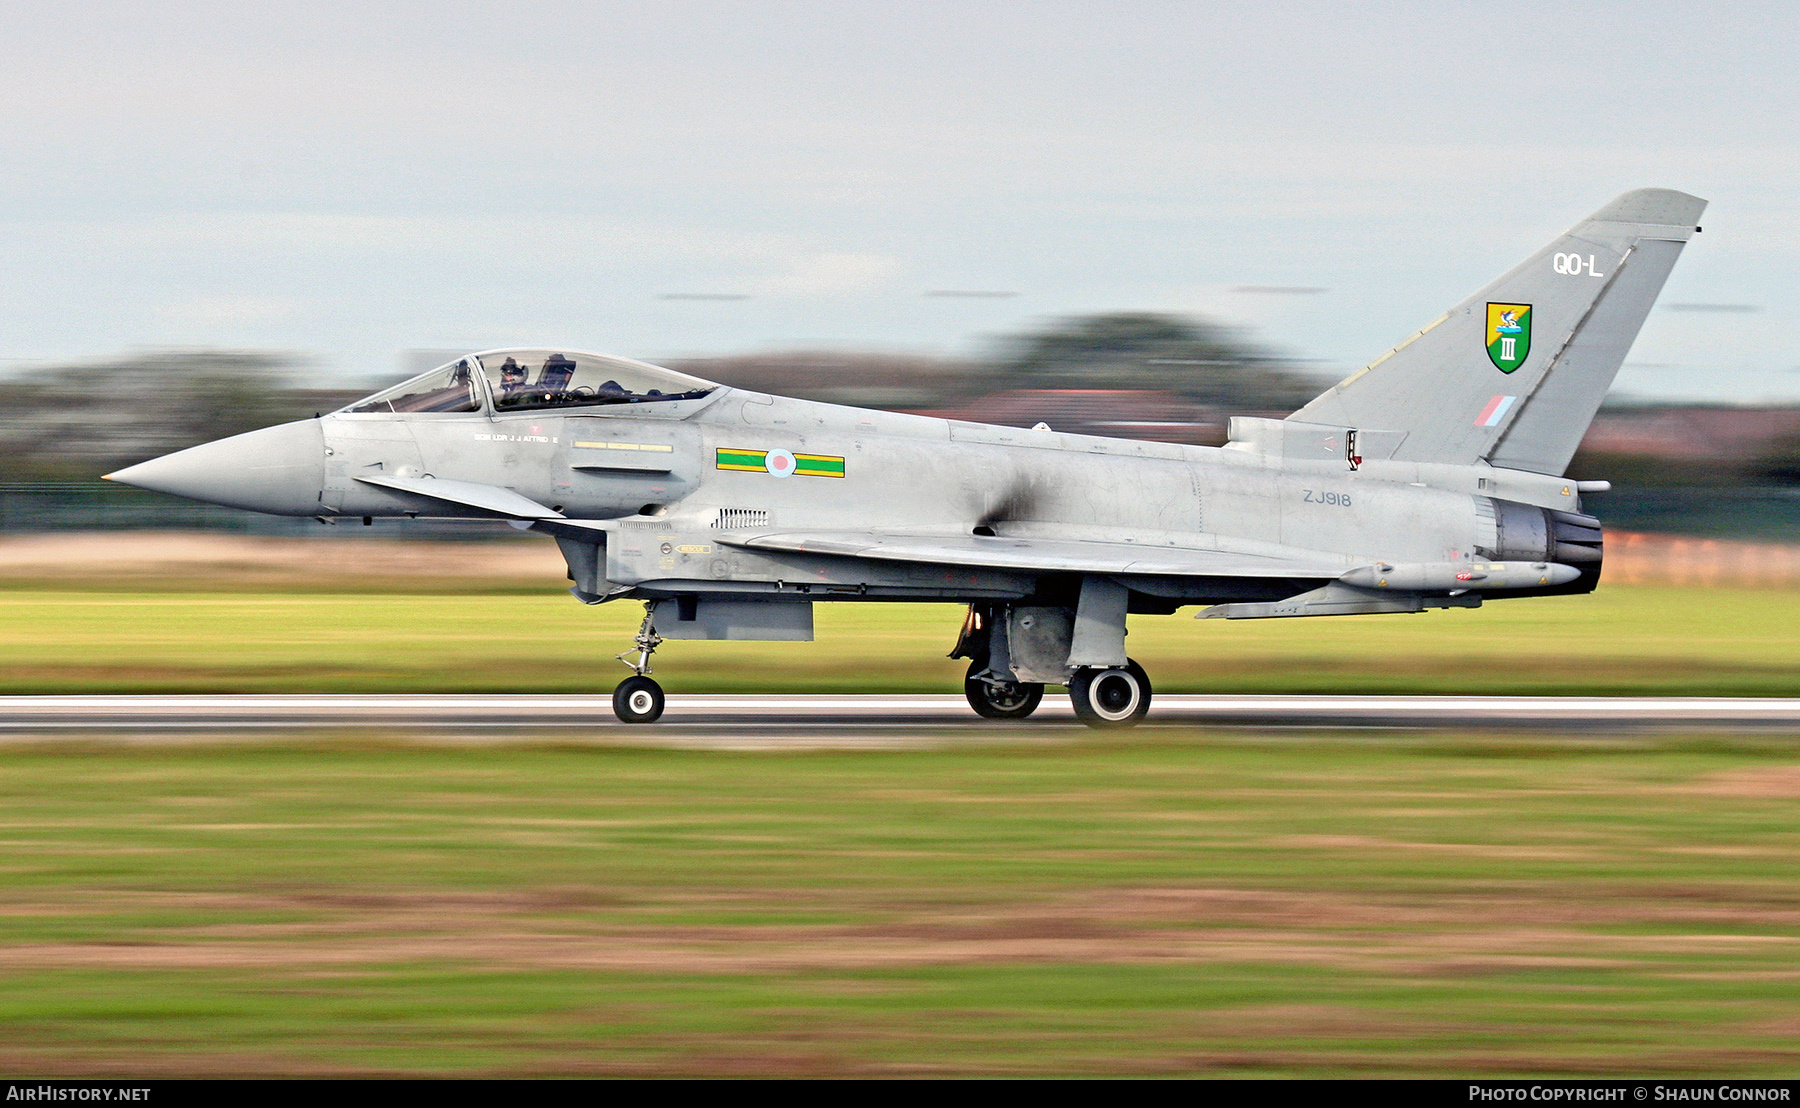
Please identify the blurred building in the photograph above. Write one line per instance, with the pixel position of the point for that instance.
(1711, 433)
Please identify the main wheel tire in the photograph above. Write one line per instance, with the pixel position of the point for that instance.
(1111, 697)
(1002, 699)
(638, 700)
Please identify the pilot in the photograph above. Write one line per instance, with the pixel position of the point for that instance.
(512, 375)
(613, 388)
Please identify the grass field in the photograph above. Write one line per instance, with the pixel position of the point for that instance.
(176, 637)
(1164, 903)
(1315, 906)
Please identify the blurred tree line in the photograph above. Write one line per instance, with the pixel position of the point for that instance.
(1151, 375)
(1194, 359)
(75, 422)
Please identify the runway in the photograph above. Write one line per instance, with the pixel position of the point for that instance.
(841, 720)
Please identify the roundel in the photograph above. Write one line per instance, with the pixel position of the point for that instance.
(779, 463)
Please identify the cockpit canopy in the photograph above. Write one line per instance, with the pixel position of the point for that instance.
(556, 379)
(519, 380)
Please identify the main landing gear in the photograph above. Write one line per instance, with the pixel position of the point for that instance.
(1006, 646)
(1000, 699)
(1101, 697)
(1111, 697)
(638, 699)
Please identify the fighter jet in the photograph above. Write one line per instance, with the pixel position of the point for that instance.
(1430, 478)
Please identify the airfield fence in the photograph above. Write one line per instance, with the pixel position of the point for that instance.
(1634, 558)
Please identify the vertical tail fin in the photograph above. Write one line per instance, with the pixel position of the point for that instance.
(1514, 374)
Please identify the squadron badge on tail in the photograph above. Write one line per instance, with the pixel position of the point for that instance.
(1508, 335)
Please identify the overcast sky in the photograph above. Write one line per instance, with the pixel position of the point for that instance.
(350, 180)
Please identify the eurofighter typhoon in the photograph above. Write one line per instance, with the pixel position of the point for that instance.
(1431, 478)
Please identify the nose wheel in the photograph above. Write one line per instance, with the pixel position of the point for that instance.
(1111, 697)
(638, 699)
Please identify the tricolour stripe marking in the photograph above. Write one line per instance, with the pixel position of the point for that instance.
(818, 465)
(1495, 411)
(757, 461)
(749, 460)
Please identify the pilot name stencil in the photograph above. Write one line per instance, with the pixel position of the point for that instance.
(484, 437)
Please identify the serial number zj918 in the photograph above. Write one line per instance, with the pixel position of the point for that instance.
(1334, 499)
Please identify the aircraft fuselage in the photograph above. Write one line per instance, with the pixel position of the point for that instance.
(683, 475)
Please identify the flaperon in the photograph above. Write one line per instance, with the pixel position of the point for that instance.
(1429, 479)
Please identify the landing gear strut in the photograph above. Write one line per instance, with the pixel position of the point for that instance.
(638, 699)
(1111, 697)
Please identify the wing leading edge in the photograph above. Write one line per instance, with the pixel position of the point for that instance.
(468, 494)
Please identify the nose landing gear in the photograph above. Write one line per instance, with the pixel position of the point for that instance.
(638, 699)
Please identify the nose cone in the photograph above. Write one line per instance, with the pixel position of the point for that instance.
(278, 470)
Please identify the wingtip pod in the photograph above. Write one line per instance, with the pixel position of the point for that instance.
(1666, 207)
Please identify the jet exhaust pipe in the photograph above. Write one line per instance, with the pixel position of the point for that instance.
(1526, 533)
